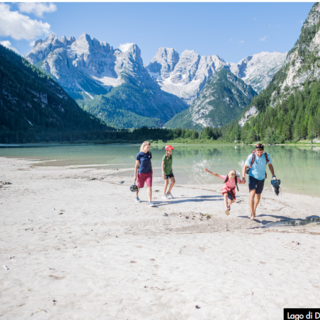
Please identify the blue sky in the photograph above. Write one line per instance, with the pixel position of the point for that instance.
(230, 30)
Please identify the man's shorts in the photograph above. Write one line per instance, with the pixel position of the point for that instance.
(144, 178)
(169, 176)
(255, 184)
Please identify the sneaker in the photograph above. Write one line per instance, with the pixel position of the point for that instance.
(229, 208)
(165, 196)
(137, 199)
(170, 196)
(151, 204)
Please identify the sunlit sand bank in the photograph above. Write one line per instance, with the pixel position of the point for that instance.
(75, 245)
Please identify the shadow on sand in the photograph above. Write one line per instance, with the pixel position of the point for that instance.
(284, 222)
(161, 203)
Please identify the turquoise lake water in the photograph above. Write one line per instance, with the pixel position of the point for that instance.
(298, 168)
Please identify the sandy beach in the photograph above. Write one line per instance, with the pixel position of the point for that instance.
(75, 245)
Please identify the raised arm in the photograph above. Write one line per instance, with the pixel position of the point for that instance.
(213, 173)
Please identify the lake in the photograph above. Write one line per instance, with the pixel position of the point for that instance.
(296, 167)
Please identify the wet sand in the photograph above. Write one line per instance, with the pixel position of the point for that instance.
(75, 245)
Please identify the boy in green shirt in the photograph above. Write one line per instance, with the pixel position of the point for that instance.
(167, 173)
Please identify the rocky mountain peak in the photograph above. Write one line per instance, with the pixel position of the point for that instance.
(313, 16)
(301, 63)
(130, 59)
(83, 44)
(164, 62)
(222, 100)
(184, 75)
(258, 69)
(42, 48)
(67, 42)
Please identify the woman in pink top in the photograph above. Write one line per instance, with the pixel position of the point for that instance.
(229, 189)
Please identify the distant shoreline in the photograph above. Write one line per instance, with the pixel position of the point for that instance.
(17, 145)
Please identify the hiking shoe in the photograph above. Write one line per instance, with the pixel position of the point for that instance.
(227, 212)
(137, 200)
(170, 196)
(165, 197)
(151, 204)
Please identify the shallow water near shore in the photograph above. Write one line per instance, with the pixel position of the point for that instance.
(296, 167)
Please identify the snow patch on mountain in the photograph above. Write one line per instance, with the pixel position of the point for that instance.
(85, 60)
(258, 70)
(183, 76)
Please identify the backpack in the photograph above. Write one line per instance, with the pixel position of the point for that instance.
(252, 161)
(236, 182)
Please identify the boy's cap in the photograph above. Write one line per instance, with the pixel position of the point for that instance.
(168, 147)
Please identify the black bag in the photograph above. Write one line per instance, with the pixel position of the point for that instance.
(134, 187)
(276, 186)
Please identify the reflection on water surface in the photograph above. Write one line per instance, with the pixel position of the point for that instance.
(296, 167)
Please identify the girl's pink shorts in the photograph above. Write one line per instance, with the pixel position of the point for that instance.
(144, 177)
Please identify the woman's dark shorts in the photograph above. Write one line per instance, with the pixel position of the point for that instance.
(169, 176)
(255, 184)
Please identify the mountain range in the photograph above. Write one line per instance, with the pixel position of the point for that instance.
(221, 101)
(288, 109)
(300, 66)
(107, 82)
(186, 75)
(33, 105)
(115, 85)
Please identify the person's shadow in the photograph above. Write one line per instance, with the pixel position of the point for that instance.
(284, 221)
(188, 199)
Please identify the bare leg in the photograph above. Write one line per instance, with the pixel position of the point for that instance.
(230, 202)
(137, 193)
(166, 182)
(173, 181)
(150, 193)
(225, 198)
(251, 203)
(256, 202)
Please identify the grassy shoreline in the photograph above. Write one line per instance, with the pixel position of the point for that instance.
(158, 142)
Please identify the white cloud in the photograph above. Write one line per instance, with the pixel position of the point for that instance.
(37, 8)
(264, 38)
(125, 46)
(8, 45)
(18, 26)
(241, 41)
(32, 43)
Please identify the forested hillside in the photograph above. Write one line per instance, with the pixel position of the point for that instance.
(111, 84)
(289, 108)
(222, 100)
(35, 108)
(297, 117)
